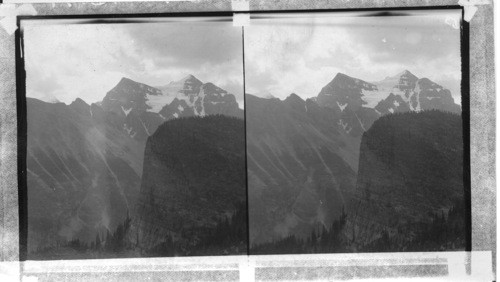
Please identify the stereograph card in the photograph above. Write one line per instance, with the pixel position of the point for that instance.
(249, 141)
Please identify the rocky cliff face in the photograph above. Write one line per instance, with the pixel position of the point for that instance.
(410, 167)
(345, 95)
(300, 167)
(194, 175)
(127, 105)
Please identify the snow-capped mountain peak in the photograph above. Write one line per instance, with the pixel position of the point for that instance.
(139, 108)
(190, 79)
(403, 80)
(186, 85)
(343, 80)
(197, 98)
(413, 94)
(130, 87)
(129, 94)
(346, 90)
(359, 103)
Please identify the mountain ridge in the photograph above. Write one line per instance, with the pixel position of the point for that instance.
(139, 108)
(296, 158)
(303, 154)
(359, 103)
(87, 159)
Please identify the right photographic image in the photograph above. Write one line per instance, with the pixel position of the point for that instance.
(355, 132)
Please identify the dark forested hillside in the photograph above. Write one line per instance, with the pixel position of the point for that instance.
(410, 176)
(193, 177)
(227, 237)
(441, 231)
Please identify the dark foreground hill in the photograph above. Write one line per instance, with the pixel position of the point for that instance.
(410, 178)
(193, 186)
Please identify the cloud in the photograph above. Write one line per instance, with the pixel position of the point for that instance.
(188, 44)
(297, 54)
(80, 60)
(46, 84)
(282, 59)
(402, 44)
(88, 60)
(302, 54)
(255, 79)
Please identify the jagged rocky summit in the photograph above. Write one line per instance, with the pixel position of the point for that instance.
(139, 108)
(358, 103)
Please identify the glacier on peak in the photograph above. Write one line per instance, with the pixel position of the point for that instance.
(361, 102)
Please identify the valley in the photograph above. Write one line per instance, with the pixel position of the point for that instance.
(85, 162)
(308, 161)
(168, 170)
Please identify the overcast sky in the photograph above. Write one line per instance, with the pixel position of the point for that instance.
(301, 55)
(65, 61)
(282, 55)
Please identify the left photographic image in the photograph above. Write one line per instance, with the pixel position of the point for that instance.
(135, 138)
